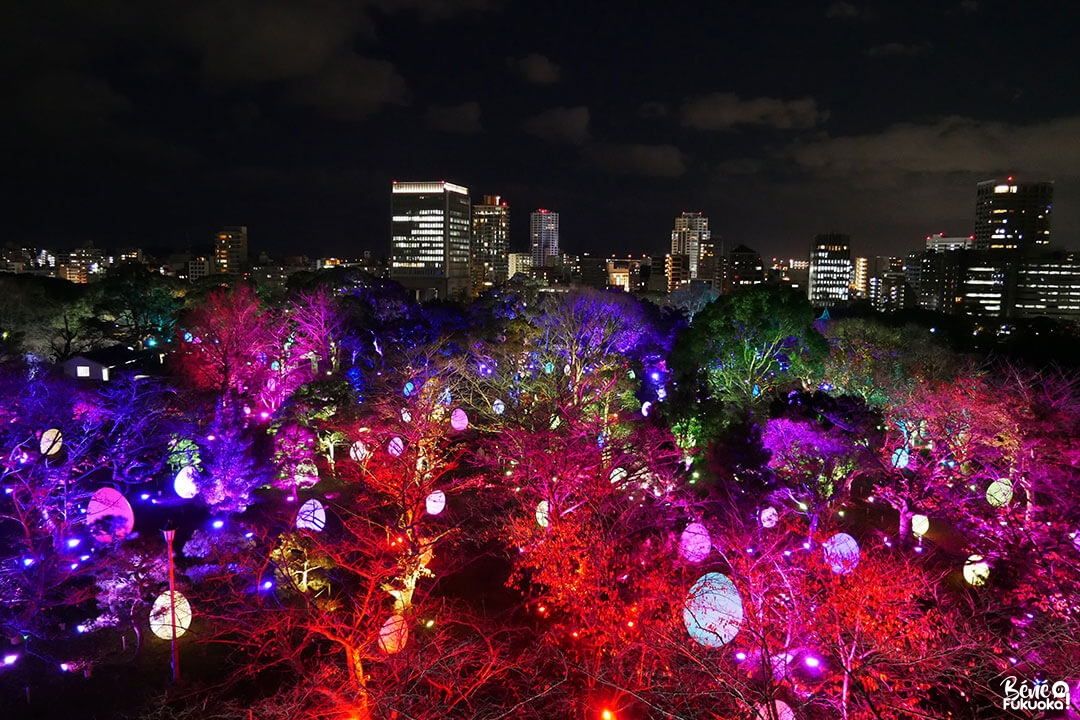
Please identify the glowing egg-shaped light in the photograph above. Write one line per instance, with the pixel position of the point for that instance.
(435, 502)
(498, 407)
(556, 421)
(842, 553)
(447, 398)
(1000, 492)
(358, 451)
(184, 482)
(549, 368)
(459, 419)
(161, 615)
(713, 611)
(566, 369)
(920, 524)
(976, 570)
(409, 388)
(393, 635)
(780, 710)
(645, 408)
(543, 510)
(51, 441)
(109, 515)
(617, 475)
(901, 457)
(311, 516)
(768, 517)
(406, 416)
(695, 543)
(396, 446)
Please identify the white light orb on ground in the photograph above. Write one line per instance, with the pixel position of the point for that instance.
(111, 513)
(920, 525)
(406, 416)
(976, 571)
(901, 457)
(780, 710)
(459, 419)
(161, 615)
(396, 446)
(695, 543)
(393, 635)
(646, 407)
(311, 516)
(1000, 492)
(769, 517)
(842, 553)
(498, 407)
(184, 482)
(543, 512)
(618, 475)
(51, 441)
(435, 502)
(713, 610)
(556, 421)
(358, 451)
(566, 369)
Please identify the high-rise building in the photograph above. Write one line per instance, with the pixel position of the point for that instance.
(519, 263)
(1012, 215)
(830, 270)
(490, 242)
(430, 233)
(691, 238)
(743, 267)
(861, 282)
(544, 238)
(231, 250)
(1048, 285)
(943, 243)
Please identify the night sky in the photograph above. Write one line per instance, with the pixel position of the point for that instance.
(153, 124)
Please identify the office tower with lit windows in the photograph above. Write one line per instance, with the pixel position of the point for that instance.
(744, 267)
(231, 250)
(1013, 216)
(544, 238)
(830, 270)
(430, 237)
(490, 242)
(691, 238)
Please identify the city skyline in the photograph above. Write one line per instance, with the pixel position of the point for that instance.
(155, 126)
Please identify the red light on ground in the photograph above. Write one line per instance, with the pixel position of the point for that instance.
(607, 715)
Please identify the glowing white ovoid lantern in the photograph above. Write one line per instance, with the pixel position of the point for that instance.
(358, 451)
(768, 517)
(695, 543)
(1000, 492)
(566, 369)
(920, 525)
(645, 408)
(396, 446)
(780, 710)
(161, 615)
(111, 513)
(184, 482)
(976, 570)
(306, 473)
(435, 502)
(393, 635)
(406, 416)
(459, 419)
(901, 457)
(51, 441)
(311, 516)
(713, 611)
(543, 511)
(842, 553)
(498, 407)
(556, 421)
(617, 475)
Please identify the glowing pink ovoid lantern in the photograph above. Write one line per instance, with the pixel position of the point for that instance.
(459, 419)
(695, 543)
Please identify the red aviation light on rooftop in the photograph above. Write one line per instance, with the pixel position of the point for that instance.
(542, 210)
(1010, 178)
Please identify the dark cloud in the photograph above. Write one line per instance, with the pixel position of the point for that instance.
(430, 10)
(560, 125)
(896, 49)
(351, 87)
(69, 105)
(651, 109)
(841, 10)
(463, 119)
(536, 69)
(725, 111)
(664, 161)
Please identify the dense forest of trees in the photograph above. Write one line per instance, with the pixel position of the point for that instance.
(578, 505)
